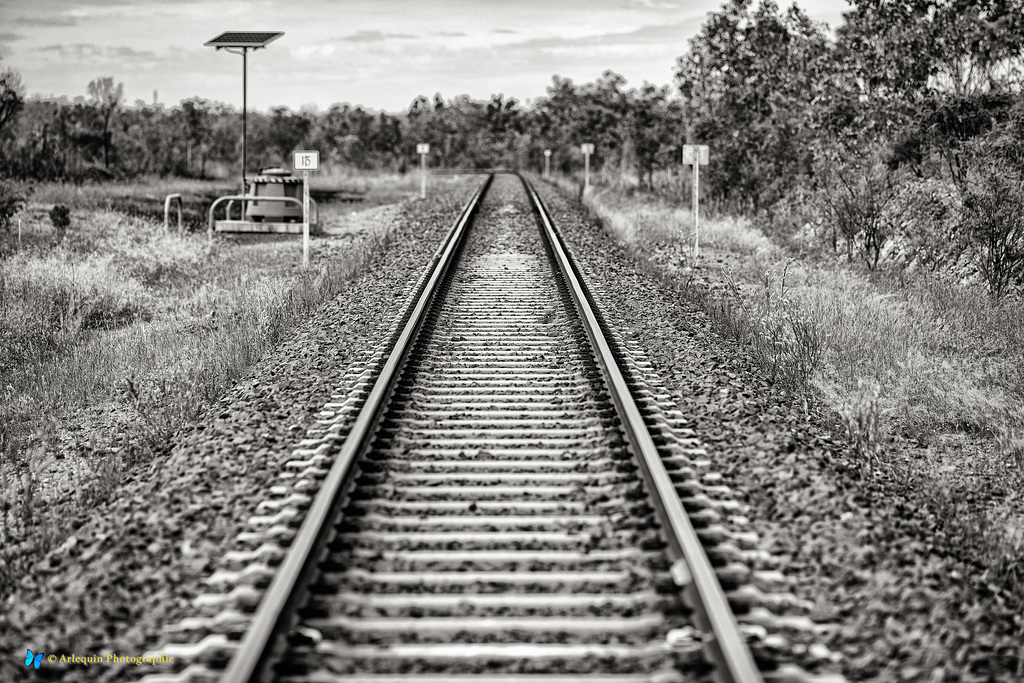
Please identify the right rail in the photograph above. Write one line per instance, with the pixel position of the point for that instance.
(692, 571)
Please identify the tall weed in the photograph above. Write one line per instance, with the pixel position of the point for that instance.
(47, 301)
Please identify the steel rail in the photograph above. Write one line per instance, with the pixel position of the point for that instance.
(726, 647)
(255, 655)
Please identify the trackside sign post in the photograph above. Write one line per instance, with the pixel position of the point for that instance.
(587, 149)
(547, 163)
(696, 156)
(305, 160)
(423, 149)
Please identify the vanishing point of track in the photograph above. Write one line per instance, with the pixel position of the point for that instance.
(499, 509)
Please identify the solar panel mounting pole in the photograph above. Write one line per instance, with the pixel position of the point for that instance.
(245, 108)
(245, 96)
(239, 43)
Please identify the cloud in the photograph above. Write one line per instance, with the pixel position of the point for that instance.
(125, 52)
(656, 4)
(87, 51)
(372, 36)
(46, 21)
(8, 37)
(76, 51)
(316, 51)
(649, 36)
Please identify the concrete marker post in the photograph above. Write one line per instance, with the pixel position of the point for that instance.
(587, 149)
(423, 149)
(695, 202)
(305, 160)
(305, 219)
(697, 155)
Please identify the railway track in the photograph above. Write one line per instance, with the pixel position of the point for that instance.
(503, 506)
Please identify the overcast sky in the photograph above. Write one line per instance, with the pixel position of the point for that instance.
(377, 53)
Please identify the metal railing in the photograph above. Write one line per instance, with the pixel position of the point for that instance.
(176, 198)
(244, 198)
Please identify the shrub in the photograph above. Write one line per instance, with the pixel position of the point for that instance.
(856, 192)
(11, 202)
(993, 224)
(60, 216)
(924, 215)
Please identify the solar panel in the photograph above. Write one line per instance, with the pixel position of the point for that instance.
(244, 39)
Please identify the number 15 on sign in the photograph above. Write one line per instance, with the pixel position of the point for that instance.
(306, 160)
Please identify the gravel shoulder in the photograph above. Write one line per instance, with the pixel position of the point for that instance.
(907, 603)
(136, 561)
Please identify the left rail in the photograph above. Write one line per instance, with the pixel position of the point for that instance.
(256, 652)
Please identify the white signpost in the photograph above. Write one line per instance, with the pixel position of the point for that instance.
(696, 156)
(587, 149)
(305, 160)
(547, 163)
(423, 149)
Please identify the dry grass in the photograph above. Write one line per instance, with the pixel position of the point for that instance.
(130, 329)
(925, 374)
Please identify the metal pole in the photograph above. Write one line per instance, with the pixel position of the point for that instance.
(305, 219)
(245, 94)
(696, 208)
(547, 165)
(586, 172)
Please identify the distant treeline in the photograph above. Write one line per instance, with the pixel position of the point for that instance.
(916, 86)
(98, 136)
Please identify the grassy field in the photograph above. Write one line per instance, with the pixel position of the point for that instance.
(925, 375)
(145, 198)
(116, 335)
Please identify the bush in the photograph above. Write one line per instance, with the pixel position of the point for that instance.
(924, 215)
(60, 216)
(993, 224)
(857, 191)
(11, 202)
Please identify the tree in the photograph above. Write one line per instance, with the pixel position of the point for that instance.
(929, 76)
(286, 132)
(12, 96)
(751, 84)
(105, 97)
(652, 124)
(196, 119)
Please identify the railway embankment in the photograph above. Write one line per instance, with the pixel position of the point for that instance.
(871, 422)
(99, 573)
